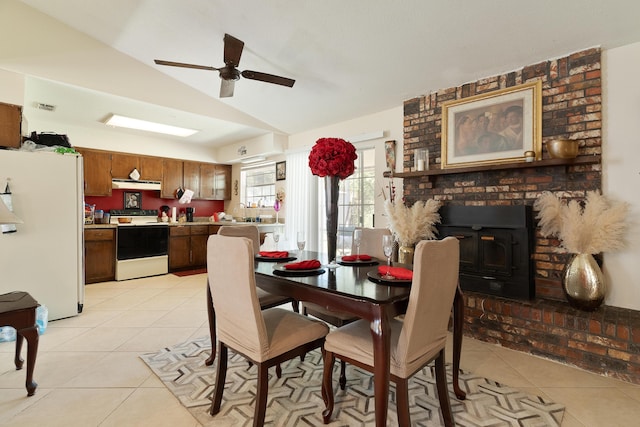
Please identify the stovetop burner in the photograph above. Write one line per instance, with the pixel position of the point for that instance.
(134, 212)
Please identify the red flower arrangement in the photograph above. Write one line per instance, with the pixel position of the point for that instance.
(332, 157)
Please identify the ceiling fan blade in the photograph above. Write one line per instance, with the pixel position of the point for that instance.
(182, 64)
(232, 50)
(226, 88)
(269, 78)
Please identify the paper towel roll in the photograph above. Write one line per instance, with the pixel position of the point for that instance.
(173, 214)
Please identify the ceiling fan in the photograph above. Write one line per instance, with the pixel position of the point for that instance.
(230, 73)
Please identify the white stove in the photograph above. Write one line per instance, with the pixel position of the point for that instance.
(142, 245)
(138, 217)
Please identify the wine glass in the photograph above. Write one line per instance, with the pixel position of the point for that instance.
(387, 248)
(276, 207)
(301, 242)
(276, 238)
(357, 240)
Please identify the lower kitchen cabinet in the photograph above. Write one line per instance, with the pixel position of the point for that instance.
(99, 255)
(188, 246)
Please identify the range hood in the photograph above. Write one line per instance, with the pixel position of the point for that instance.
(130, 184)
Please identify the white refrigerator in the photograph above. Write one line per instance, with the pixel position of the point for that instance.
(45, 255)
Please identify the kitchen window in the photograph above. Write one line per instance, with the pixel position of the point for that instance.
(356, 202)
(258, 185)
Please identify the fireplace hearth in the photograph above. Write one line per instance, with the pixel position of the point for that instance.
(496, 243)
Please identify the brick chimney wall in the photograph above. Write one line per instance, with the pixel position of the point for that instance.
(605, 341)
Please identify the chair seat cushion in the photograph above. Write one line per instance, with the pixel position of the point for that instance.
(287, 330)
(354, 341)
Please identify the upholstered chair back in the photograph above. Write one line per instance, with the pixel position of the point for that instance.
(371, 243)
(230, 269)
(249, 231)
(435, 278)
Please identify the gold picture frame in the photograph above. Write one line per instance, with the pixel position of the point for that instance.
(493, 128)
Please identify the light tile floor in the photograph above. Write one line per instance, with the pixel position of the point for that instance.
(89, 373)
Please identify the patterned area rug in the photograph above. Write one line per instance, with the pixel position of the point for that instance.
(295, 399)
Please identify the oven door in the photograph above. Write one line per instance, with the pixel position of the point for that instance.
(142, 241)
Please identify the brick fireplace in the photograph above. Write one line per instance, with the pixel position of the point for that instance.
(606, 341)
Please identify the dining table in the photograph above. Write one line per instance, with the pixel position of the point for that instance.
(357, 289)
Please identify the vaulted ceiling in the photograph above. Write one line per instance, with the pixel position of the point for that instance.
(349, 58)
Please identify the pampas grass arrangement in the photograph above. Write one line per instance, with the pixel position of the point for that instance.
(410, 225)
(596, 227)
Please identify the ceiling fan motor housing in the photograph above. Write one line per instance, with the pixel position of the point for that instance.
(229, 73)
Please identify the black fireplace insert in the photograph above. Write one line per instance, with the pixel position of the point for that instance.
(496, 243)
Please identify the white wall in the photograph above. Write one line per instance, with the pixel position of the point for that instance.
(389, 121)
(621, 166)
(11, 87)
(112, 140)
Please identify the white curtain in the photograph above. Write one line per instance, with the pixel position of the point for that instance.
(302, 201)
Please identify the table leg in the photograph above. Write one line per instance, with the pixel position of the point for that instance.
(32, 337)
(211, 314)
(380, 333)
(458, 319)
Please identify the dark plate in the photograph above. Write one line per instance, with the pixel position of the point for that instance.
(279, 270)
(359, 263)
(376, 277)
(270, 259)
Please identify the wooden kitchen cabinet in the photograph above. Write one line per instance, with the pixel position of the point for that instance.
(191, 177)
(99, 255)
(171, 177)
(222, 180)
(123, 164)
(150, 168)
(188, 246)
(10, 125)
(215, 182)
(97, 172)
(199, 238)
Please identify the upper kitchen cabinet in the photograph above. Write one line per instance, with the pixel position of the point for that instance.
(123, 164)
(208, 181)
(150, 168)
(191, 178)
(215, 181)
(97, 172)
(171, 177)
(10, 122)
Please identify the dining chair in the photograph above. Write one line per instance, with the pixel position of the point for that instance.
(267, 300)
(371, 244)
(415, 341)
(264, 337)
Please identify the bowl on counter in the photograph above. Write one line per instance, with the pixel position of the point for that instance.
(562, 148)
(124, 220)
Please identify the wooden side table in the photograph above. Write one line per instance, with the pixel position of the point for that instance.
(18, 309)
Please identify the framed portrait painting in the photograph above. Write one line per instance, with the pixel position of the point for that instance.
(493, 128)
(132, 200)
(281, 171)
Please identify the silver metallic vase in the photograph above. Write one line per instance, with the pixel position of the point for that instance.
(583, 282)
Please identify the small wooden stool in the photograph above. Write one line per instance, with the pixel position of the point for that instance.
(18, 309)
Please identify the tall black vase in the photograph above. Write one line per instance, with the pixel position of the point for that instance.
(331, 192)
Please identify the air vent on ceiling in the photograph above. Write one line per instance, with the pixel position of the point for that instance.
(45, 107)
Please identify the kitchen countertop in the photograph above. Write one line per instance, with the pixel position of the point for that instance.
(177, 224)
(100, 225)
